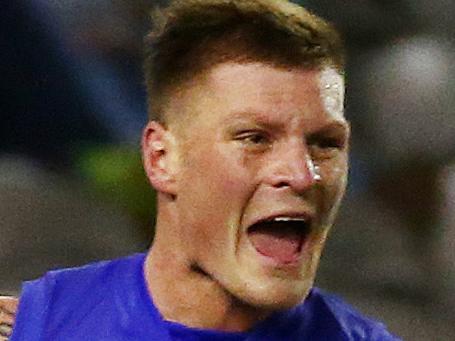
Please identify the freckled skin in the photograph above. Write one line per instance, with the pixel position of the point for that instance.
(254, 137)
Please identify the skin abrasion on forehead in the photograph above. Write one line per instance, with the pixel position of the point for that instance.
(332, 92)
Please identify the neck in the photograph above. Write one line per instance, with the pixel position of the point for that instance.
(185, 294)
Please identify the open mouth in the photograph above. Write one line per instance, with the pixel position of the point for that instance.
(280, 238)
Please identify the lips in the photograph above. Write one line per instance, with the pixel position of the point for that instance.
(280, 238)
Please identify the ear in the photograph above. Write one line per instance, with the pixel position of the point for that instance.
(157, 149)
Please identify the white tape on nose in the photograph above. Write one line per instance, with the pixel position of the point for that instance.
(314, 170)
(317, 175)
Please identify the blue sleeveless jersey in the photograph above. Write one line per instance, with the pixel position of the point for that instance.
(109, 301)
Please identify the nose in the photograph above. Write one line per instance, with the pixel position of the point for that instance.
(293, 167)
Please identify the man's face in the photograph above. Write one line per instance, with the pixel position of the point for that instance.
(262, 168)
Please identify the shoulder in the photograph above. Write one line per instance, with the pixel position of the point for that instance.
(348, 320)
(88, 280)
(8, 308)
(84, 279)
(53, 298)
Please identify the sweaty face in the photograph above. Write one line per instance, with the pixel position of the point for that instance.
(262, 168)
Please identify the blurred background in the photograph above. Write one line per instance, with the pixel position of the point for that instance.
(72, 189)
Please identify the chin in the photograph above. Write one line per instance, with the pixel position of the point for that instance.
(272, 294)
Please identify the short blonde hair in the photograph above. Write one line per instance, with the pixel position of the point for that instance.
(190, 36)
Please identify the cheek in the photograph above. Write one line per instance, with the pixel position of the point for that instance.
(216, 180)
(234, 171)
(334, 178)
(334, 171)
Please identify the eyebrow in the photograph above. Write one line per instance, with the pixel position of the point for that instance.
(255, 117)
(247, 115)
(262, 119)
(335, 126)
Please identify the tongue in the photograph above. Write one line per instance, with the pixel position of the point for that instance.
(278, 242)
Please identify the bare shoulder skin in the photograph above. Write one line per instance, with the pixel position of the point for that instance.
(8, 308)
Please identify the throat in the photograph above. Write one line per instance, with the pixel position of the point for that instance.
(195, 299)
(199, 271)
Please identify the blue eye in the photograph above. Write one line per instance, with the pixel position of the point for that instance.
(325, 147)
(256, 138)
(253, 137)
(330, 143)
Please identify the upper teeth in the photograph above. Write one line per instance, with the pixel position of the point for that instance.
(288, 219)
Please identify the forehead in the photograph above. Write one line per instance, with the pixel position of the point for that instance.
(233, 90)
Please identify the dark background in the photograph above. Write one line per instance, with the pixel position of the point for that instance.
(72, 106)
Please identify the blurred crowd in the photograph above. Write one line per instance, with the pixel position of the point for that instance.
(72, 189)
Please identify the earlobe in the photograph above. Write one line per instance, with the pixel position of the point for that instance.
(156, 156)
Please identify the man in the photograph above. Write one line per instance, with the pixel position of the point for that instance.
(247, 147)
